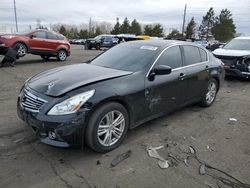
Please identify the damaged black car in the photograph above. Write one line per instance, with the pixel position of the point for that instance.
(236, 57)
(95, 104)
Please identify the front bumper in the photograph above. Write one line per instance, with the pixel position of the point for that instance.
(59, 131)
(236, 73)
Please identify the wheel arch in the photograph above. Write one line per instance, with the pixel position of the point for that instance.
(216, 77)
(118, 100)
(22, 42)
(63, 48)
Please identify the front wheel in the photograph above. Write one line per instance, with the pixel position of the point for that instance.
(210, 94)
(107, 127)
(98, 46)
(21, 49)
(61, 55)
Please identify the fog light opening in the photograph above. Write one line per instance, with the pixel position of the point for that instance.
(52, 135)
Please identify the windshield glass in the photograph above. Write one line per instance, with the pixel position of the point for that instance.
(128, 57)
(98, 37)
(238, 44)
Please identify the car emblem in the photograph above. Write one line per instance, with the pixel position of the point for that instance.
(50, 85)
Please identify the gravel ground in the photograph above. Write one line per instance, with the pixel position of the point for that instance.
(219, 142)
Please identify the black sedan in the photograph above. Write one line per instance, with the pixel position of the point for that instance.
(124, 87)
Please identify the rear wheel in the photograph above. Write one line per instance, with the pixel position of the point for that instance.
(210, 94)
(107, 127)
(22, 49)
(45, 57)
(61, 55)
(98, 46)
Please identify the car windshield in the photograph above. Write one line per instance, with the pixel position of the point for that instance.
(127, 57)
(98, 37)
(238, 44)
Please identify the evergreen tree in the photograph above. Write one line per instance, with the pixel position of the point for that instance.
(83, 34)
(62, 30)
(154, 30)
(224, 28)
(98, 31)
(157, 30)
(190, 30)
(125, 27)
(207, 23)
(135, 28)
(116, 29)
(148, 30)
(174, 34)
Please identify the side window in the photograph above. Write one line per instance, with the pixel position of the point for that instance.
(40, 35)
(60, 37)
(52, 36)
(108, 39)
(203, 55)
(171, 57)
(191, 54)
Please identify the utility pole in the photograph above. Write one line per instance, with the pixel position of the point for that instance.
(15, 15)
(184, 20)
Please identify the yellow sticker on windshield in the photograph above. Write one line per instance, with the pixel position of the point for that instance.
(149, 48)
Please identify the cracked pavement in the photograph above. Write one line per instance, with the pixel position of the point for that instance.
(25, 162)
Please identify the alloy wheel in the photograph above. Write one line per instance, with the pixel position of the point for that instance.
(111, 128)
(62, 55)
(22, 50)
(211, 92)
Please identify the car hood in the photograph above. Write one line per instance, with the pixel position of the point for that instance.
(58, 81)
(229, 52)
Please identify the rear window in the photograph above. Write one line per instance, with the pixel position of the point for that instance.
(203, 55)
(60, 37)
(52, 36)
(191, 55)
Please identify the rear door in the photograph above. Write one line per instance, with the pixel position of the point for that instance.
(39, 41)
(167, 92)
(197, 67)
(52, 41)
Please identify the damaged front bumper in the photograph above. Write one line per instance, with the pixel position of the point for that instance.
(236, 66)
(60, 131)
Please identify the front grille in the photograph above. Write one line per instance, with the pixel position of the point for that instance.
(31, 102)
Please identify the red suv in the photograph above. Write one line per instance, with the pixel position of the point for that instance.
(39, 42)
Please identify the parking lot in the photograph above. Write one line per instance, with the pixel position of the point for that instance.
(219, 142)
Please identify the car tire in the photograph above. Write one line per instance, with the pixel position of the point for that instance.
(45, 57)
(211, 91)
(22, 49)
(102, 134)
(61, 55)
(98, 47)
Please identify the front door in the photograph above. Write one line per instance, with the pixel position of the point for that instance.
(166, 92)
(38, 41)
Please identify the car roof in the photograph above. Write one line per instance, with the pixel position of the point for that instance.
(244, 37)
(162, 43)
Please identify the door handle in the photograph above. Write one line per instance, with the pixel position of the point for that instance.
(182, 76)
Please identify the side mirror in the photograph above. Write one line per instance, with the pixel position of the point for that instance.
(32, 36)
(159, 70)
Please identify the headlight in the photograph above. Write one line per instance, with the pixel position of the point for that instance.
(8, 36)
(71, 105)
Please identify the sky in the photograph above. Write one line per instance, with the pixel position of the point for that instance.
(169, 13)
